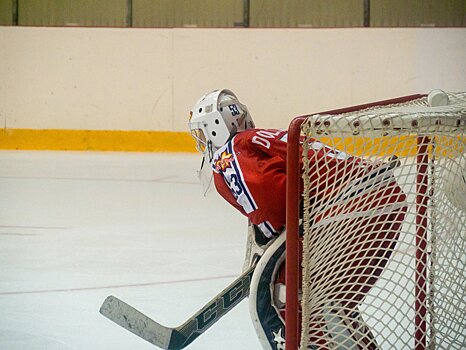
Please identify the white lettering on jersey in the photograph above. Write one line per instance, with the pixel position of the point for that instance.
(261, 142)
(262, 136)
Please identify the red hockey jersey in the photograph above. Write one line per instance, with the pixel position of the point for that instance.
(250, 173)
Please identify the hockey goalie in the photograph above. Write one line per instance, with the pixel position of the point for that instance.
(248, 168)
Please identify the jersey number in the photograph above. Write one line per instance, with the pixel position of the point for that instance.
(235, 186)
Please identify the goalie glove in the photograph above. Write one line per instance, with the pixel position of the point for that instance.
(257, 243)
(260, 238)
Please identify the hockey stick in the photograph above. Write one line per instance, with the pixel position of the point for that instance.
(179, 337)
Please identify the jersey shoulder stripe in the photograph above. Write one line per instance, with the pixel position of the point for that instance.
(226, 163)
(244, 195)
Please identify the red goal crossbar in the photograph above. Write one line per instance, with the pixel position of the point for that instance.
(293, 197)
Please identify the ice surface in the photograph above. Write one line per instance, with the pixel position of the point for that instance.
(76, 227)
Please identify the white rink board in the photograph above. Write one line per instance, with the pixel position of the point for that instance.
(149, 79)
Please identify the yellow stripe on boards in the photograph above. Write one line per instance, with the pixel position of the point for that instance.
(96, 140)
(402, 145)
(170, 141)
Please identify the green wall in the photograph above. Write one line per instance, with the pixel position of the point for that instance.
(234, 13)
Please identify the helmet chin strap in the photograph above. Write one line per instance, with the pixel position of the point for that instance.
(210, 151)
(205, 173)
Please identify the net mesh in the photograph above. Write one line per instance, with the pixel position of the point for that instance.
(384, 228)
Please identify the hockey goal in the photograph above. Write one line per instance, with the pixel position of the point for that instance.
(376, 226)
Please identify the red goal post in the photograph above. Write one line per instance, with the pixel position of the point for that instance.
(426, 143)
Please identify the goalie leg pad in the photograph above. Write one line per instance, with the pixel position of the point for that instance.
(265, 313)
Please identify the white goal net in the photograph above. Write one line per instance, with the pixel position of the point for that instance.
(384, 226)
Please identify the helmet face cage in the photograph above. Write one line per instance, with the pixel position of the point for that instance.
(217, 117)
(201, 140)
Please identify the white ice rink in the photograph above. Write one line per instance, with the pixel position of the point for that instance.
(76, 227)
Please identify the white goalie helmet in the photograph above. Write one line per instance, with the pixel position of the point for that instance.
(215, 118)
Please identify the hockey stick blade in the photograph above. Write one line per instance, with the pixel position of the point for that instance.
(178, 338)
